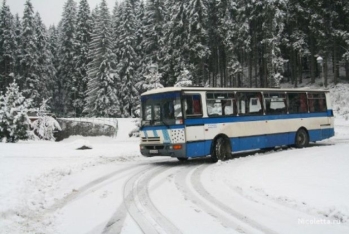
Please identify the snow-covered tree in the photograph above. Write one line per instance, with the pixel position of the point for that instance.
(151, 79)
(46, 69)
(15, 122)
(81, 59)
(198, 39)
(66, 68)
(18, 42)
(127, 60)
(7, 47)
(175, 52)
(29, 56)
(102, 94)
(45, 125)
(185, 79)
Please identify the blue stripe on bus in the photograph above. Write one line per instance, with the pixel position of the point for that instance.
(144, 128)
(167, 138)
(232, 119)
(145, 134)
(202, 148)
(155, 133)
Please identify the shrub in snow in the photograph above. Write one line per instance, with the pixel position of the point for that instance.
(14, 121)
(45, 125)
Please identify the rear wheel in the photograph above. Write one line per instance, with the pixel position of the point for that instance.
(302, 138)
(221, 149)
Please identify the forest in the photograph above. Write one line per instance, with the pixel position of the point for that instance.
(96, 62)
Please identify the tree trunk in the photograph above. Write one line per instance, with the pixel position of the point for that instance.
(335, 62)
(325, 70)
(312, 61)
(347, 70)
(300, 69)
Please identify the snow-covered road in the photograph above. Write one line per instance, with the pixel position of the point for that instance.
(53, 188)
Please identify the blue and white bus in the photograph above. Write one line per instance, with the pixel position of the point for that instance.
(198, 122)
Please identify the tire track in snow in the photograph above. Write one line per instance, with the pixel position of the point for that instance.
(80, 191)
(188, 182)
(137, 203)
(207, 206)
(198, 186)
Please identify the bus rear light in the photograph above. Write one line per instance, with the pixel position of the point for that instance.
(177, 147)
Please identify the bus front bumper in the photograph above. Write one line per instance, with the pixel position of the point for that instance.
(176, 150)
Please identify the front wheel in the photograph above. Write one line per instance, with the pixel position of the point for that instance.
(221, 149)
(302, 138)
(182, 159)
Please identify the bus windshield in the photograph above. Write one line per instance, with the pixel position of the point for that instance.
(161, 109)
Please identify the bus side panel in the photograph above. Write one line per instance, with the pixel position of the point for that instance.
(196, 149)
(321, 134)
(276, 139)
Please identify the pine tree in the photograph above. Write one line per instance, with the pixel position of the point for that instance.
(46, 68)
(198, 39)
(176, 48)
(81, 60)
(154, 20)
(127, 61)
(7, 47)
(66, 68)
(18, 52)
(29, 77)
(3, 122)
(15, 122)
(102, 100)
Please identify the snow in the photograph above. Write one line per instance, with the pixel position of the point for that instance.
(50, 187)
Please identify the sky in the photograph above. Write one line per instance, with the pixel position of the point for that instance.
(49, 10)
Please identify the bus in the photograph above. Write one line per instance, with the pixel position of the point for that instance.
(192, 122)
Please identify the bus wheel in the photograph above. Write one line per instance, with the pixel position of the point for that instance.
(302, 138)
(182, 159)
(221, 150)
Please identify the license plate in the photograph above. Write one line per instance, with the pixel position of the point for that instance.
(153, 151)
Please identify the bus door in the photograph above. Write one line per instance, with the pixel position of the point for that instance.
(194, 124)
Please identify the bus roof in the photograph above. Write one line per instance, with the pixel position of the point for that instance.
(178, 89)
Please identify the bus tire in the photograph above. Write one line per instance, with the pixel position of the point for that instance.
(221, 149)
(302, 138)
(182, 159)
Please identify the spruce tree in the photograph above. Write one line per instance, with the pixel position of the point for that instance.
(127, 61)
(18, 53)
(175, 51)
(46, 68)
(7, 47)
(198, 39)
(66, 53)
(29, 73)
(102, 99)
(154, 20)
(81, 60)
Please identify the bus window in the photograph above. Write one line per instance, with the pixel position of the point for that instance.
(317, 102)
(192, 104)
(297, 103)
(275, 103)
(219, 104)
(250, 103)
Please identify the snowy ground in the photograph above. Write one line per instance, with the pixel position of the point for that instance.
(49, 187)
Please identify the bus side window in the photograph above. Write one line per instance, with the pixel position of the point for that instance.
(297, 103)
(193, 104)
